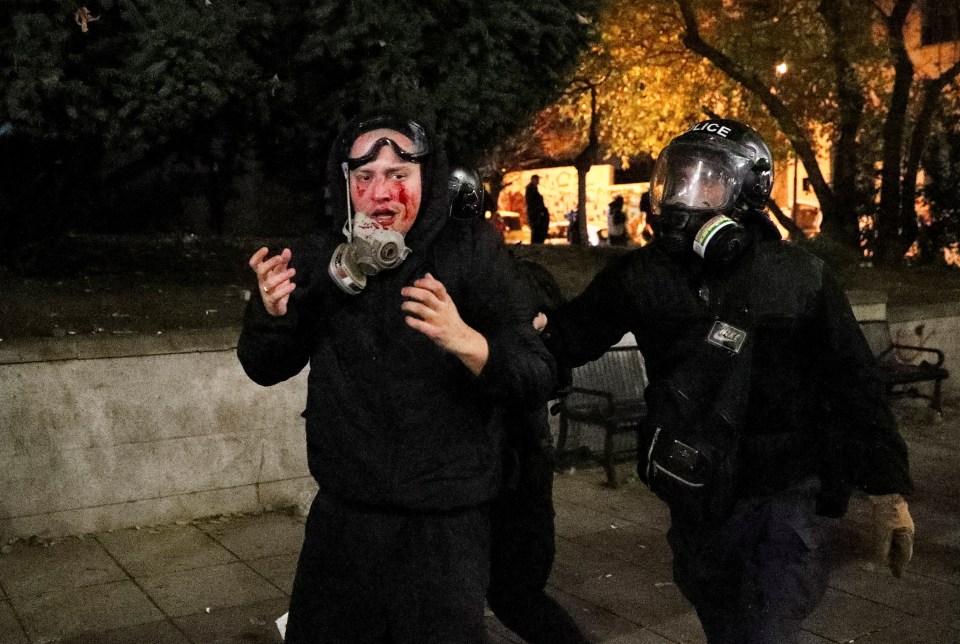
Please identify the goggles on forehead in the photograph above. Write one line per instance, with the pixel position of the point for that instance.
(419, 147)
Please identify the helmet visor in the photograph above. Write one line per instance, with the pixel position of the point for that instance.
(698, 177)
(414, 152)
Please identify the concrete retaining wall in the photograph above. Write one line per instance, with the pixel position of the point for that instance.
(98, 433)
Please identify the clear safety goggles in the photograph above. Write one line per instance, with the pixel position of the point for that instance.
(699, 176)
(418, 149)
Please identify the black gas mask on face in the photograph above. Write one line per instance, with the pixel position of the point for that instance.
(717, 238)
(702, 182)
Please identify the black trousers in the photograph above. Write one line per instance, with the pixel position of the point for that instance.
(522, 552)
(756, 576)
(539, 229)
(376, 575)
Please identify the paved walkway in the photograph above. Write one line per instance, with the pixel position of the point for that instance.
(226, 580)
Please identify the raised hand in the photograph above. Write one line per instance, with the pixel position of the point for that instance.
(274, 279)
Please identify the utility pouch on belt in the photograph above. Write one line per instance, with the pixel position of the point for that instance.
(691, 455)
(689, 441)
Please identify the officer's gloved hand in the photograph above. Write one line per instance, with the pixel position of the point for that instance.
(894, 530)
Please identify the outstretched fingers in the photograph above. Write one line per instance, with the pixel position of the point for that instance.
(257, 258)
(274, 279)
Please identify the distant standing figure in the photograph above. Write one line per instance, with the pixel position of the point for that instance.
(573, 228)
(617, 222)
(537, 214)
(645, 210)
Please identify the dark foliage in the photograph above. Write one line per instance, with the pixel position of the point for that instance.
(942, 192)
(113, 120)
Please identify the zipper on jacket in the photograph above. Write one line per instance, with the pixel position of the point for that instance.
(653, 442)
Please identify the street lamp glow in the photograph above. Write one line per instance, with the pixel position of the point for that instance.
(781, 69)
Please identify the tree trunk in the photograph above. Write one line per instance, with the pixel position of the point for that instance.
(584, 161)
(792, 229)
(846, 152)
(582, 236)
(893, 237)
(918, 140)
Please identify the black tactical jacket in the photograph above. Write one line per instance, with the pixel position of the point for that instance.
(816, 405)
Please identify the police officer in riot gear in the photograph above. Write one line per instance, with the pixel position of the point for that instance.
(814, 425)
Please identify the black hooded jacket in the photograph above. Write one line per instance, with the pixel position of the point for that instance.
(815, 404)
(392, 420)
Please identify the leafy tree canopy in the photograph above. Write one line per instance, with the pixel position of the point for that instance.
(846, 85)
(100, 91)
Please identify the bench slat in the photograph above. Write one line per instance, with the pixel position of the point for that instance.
(606, 394)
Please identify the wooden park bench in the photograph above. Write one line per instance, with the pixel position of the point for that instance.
(605, 394)
(903, 366)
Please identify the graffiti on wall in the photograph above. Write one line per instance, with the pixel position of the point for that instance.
(912, 346)
(559, 189)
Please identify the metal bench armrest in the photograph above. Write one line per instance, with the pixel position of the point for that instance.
(937, 352)
(603, 407)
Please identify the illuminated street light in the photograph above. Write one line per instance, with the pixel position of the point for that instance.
(781, 69)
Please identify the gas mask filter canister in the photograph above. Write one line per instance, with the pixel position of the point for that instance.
(369, 249)
(719, 240)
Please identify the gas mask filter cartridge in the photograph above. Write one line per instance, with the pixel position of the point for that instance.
(372, 249)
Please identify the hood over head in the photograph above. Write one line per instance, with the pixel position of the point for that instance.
(434, 206)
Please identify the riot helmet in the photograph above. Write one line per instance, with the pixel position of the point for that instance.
(718, 165)
(702, 183)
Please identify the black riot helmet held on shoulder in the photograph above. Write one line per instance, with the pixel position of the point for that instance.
(703, 182)
(466, 193)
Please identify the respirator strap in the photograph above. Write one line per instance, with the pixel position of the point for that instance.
(348, 229)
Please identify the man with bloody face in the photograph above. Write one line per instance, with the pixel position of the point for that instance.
(416, 327)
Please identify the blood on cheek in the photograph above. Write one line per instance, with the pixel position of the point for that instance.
(404, 198)
(385, 190)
